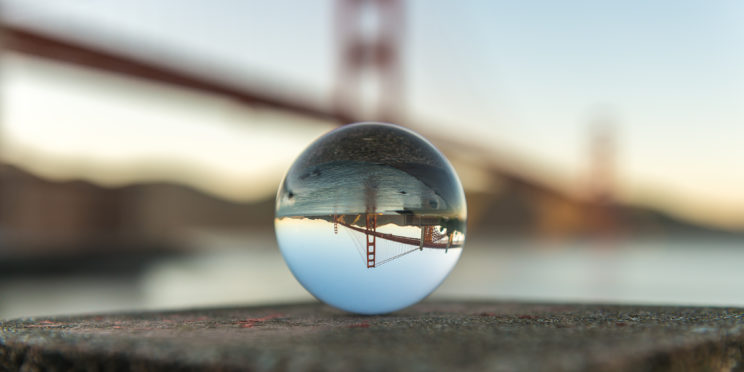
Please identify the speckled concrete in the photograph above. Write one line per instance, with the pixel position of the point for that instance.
(448, 336)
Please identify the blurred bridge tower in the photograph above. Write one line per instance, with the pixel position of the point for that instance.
(602, 179)
(369, 35)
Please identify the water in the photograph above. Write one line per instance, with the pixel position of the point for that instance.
(234, 269)
(674, 271)
(341, 187)
(370, 218)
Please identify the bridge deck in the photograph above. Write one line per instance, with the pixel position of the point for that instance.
(403, 239)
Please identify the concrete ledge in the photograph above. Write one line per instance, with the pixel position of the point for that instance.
(430, 336)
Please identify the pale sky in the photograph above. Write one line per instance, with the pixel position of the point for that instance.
(525, 78)
(351, 285)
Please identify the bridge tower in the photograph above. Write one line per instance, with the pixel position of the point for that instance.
(601, 180)
(371, 234)
(370, 226)
(369, 50)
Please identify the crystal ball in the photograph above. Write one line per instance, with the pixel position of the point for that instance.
(370, 218)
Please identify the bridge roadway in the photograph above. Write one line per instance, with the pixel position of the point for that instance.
(402, 239)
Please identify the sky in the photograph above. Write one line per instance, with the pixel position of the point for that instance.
(310, 247)
(524, 78)
(143, 132)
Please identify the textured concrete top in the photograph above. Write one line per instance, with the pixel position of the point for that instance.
(429, 336)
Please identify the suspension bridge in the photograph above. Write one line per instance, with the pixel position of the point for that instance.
(431, 238)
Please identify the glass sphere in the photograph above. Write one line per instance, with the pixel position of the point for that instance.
(370, 218)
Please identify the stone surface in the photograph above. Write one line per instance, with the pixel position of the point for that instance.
(429, 336)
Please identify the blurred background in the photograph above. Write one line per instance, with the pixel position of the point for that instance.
(601, 145)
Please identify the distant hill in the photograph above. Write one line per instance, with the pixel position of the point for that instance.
(526, 208)
(40, 215)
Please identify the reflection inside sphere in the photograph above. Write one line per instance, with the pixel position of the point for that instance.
(370, 218)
